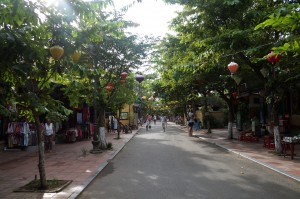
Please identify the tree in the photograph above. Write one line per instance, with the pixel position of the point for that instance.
(29, 75)
(212, 33)
(284, 23)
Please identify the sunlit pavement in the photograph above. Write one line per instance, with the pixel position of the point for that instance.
(69, 162)
(253, 151)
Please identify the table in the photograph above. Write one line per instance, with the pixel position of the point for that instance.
(290, 145)
(269, 142)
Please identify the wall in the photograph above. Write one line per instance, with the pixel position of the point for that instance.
(128, 109)
(218, 115)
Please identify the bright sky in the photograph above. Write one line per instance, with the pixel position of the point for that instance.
(152, 15)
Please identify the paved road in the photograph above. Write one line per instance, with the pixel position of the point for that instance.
(158, 165)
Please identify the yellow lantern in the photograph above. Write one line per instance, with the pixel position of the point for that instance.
(76, 56)
(56, 52)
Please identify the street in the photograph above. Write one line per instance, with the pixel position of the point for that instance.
(158, 165)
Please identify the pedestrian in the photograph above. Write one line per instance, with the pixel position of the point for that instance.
(24, 132)
(115, 124)
(163, 122)
(190, 121)
(148, 122)
(112, 124)
(48, 133)
(154, 119)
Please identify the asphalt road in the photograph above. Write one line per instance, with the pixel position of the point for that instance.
(158, 165)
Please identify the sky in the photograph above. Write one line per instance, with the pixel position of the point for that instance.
(152, 15)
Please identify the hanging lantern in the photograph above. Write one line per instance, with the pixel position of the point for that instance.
(56, 52)
(273, 58)
(122, 81)
(234, 94)
(76, 56)
(123, 75)
(139, 78)
(232, 66)
(109, 87)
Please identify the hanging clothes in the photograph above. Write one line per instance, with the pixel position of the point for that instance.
(79, 118)
(115, 123)
(85, 112)
(24, 134)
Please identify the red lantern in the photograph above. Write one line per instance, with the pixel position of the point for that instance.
(232, 66)
(110, 87)
(234, 94)
(123, 75)
(122, 81)
(273, 58)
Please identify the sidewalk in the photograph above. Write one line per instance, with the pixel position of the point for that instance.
(254, 152)
(66, 162)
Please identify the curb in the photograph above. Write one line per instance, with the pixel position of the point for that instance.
(249, 158)
(254, 160)
(100, 168)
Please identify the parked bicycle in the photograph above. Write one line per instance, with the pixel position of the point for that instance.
(125, 128)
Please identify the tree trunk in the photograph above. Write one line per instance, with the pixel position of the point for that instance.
(119, 127)
(230, 121)
(41, 164)
(103, 143)
(275, 128)
(207, 115)
(277, 140)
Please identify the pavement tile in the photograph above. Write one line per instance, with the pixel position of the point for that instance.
(66, 162)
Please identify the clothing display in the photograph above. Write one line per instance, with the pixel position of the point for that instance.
(19, 134)
(79, 118)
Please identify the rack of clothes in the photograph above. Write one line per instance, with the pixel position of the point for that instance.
(20, 134)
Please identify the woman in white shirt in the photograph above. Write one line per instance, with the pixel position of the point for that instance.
(49, 130)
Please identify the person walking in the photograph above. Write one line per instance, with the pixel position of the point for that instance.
(190, 121)
(115, 121)
(163, 122)
(48, 133)
(154, 119)
(148, 122)
(24, 132)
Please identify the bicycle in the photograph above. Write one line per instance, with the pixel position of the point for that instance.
(126, 128)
